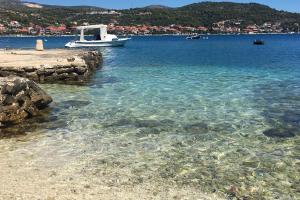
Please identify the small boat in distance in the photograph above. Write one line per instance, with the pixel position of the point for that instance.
(101, 38)
(193, 37)
(258, 42)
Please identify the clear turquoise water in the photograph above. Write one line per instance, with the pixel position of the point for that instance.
(218, 114)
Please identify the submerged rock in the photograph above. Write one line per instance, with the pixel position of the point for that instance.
(20, 98)
(100, 81)
(74, 104)
(144, 127)
(148, 131)
(120, 123)
(44, 121)
(147, 123)
(251, 163)
(197, 128)
(292, 118)
(280, 132)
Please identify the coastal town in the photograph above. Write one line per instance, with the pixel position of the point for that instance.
(23, 18)
(222, 27)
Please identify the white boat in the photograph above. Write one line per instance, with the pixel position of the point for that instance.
(193, 37)
(102, 38)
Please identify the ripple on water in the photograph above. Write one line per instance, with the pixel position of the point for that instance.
(73, 104)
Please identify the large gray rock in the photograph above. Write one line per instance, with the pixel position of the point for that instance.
(20, 98)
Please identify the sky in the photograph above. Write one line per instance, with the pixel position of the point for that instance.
(288, 5)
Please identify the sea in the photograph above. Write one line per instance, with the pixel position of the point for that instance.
(165, 118)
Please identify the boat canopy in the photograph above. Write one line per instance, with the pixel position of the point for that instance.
(102, 30)
(98, 26)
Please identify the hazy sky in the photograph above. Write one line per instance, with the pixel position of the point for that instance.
(289, 5)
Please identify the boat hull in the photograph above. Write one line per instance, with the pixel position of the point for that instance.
(258, 42)
(195, 37)
(94, 44)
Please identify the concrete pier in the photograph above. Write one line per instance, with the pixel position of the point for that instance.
(50, 66)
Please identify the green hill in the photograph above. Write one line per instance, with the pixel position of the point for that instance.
(197, 14)
(207, 13)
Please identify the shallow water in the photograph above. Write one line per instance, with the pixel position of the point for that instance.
(219, 116)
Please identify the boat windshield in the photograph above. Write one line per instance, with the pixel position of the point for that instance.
(96, 35)
(88, 35)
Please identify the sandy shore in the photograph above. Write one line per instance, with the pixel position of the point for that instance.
(25, 181)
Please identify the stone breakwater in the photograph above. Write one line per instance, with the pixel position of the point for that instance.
(51, 66)
(20, 98)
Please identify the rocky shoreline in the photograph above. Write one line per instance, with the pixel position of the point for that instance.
(20, 96)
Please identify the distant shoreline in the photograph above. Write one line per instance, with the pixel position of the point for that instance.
(214, 34)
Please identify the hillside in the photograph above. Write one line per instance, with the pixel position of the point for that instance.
(8, 3)
(197, 14)
(251, 13)
(207, 13)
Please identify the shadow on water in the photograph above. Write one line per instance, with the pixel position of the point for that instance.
(46, 120)
(52, 118)
(145, 126)
(190, 130)
(76, 104)
(280, 105)
(100, 80)
(94, 81)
